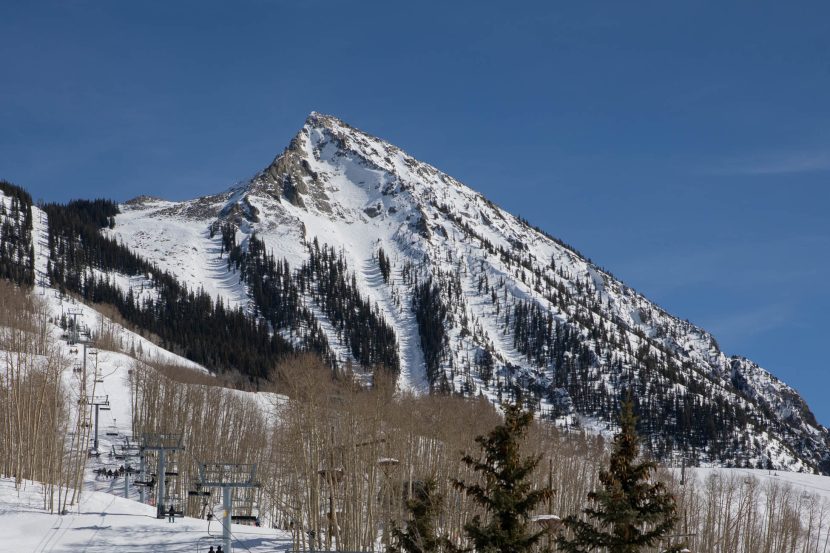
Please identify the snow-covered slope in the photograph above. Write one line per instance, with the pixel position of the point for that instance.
(523, 310)
(103, 519)
(105, 522)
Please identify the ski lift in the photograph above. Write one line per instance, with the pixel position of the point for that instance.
(112, 430)
(246, 509)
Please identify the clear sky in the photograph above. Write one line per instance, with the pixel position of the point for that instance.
(684, 146)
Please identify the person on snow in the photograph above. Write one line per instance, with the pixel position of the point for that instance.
(171, 514)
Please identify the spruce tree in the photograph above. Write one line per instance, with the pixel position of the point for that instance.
(505, 493)
(630, 512)
(420, 534)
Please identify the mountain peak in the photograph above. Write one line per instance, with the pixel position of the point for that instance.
(317, 120)
(326, 154)
(479, 301)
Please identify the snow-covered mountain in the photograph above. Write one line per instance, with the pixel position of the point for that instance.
(506, 305)
(348, 246)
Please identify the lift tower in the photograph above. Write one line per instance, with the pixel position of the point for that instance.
(100, 403)
(161, 443)
(227, 476)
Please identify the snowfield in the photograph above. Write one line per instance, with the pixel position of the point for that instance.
(803, 483)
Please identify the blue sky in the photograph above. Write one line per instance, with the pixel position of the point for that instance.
(685, 146)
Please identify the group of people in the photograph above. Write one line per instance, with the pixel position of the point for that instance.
(217, 550)
(109, 473)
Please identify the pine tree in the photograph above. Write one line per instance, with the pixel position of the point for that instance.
(506, 494)
(420, 535)
(631, 512)
(385, 265)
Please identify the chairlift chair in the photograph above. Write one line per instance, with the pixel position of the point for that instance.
(244, 505)
(244, 519)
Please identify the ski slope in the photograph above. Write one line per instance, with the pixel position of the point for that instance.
(103, 519)
(103, 522)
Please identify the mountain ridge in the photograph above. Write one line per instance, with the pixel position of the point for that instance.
(374, 251)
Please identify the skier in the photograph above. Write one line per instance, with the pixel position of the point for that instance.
(220, 550)
(171, 514)
(211, 550)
